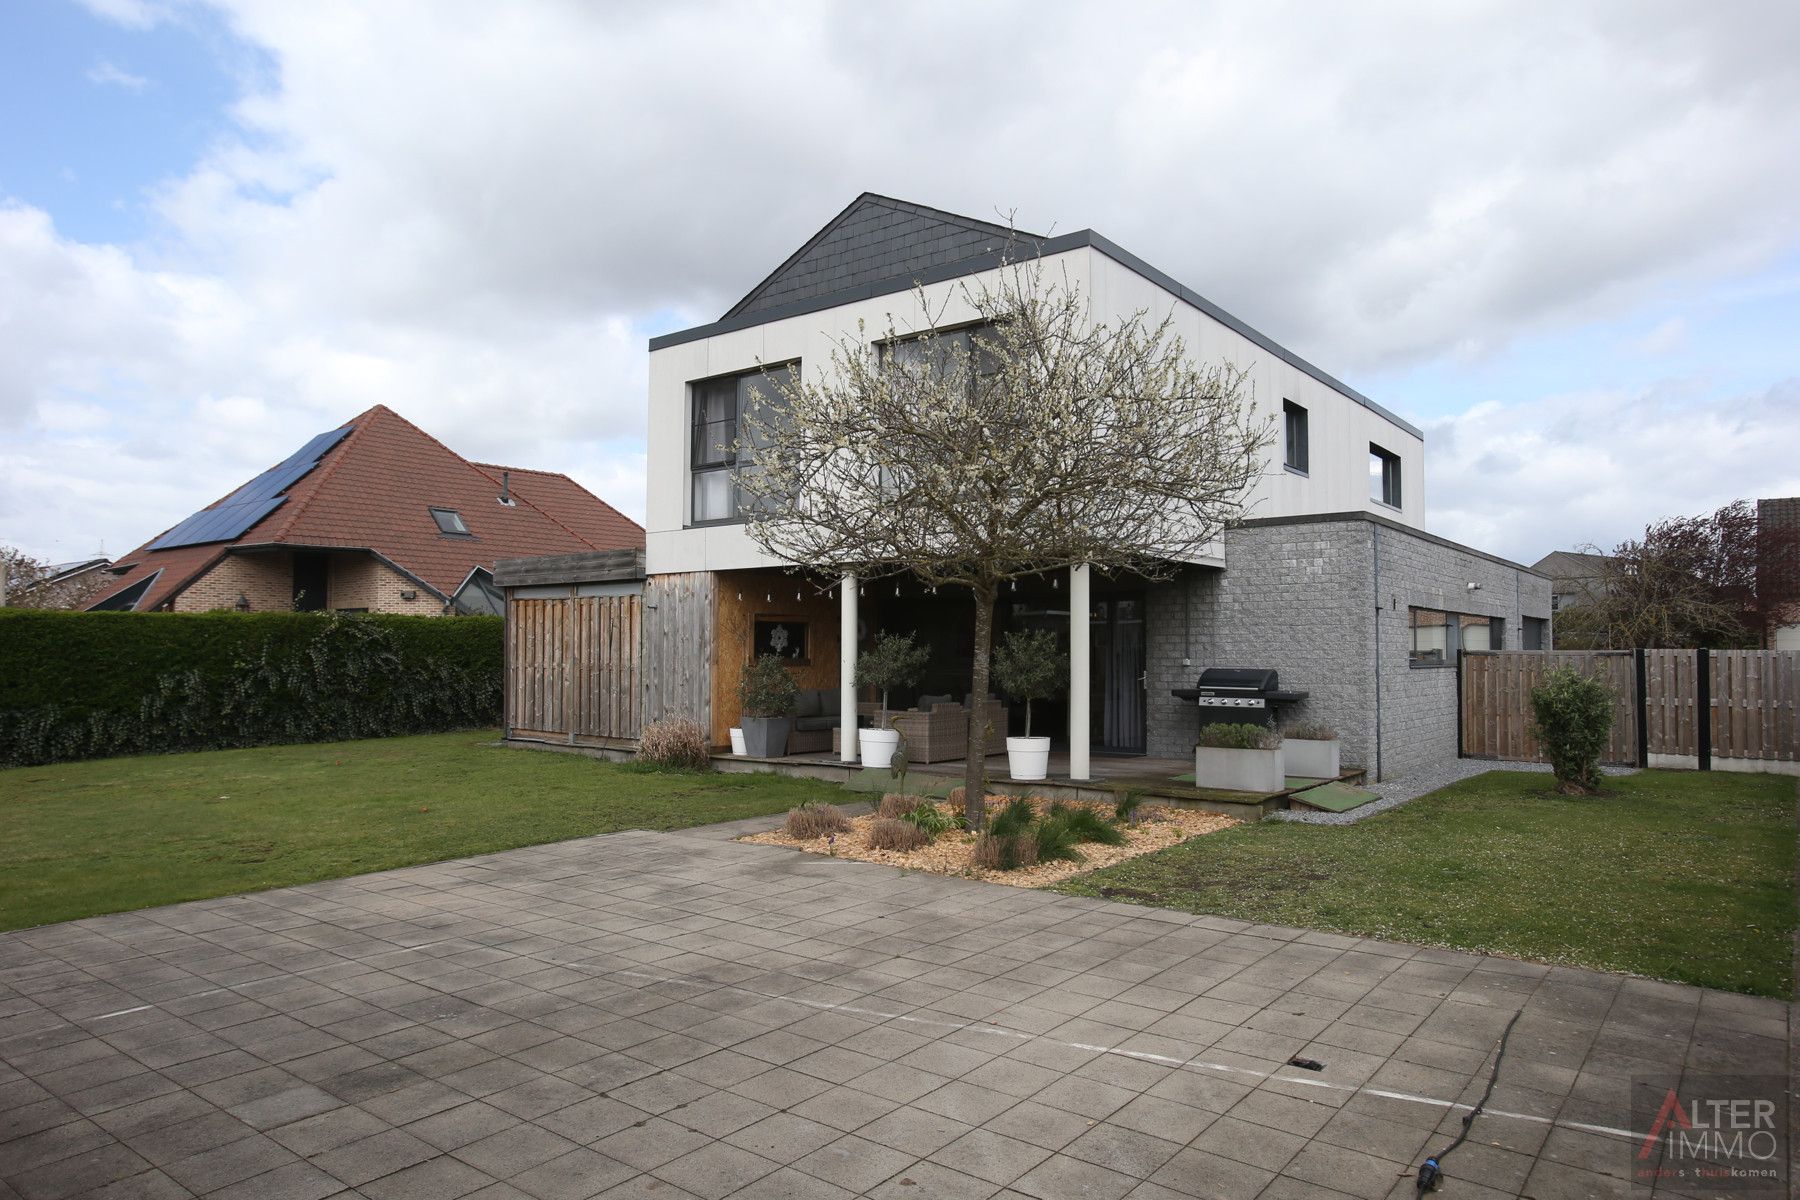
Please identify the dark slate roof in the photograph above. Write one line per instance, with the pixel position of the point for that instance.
(876, 274)
(1781, 513)
(875, 238)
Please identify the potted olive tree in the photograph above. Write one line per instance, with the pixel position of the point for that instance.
(1029, 667)
(893, 662)
(767, 694)
(1309, 750)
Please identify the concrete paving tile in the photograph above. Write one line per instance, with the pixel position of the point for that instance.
(295, 1181)
(854, 1163)
(1061, 1176)
(929, 1181)
(1198, 1173)
(356, 1163)
(715, 1171)
(649, 1143)
(576, 1175)
(223, 1165)
(991, 1156)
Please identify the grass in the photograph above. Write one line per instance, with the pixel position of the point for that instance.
(1686, 876)
(78, 839)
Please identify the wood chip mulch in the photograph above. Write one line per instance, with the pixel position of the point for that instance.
(1154, 827)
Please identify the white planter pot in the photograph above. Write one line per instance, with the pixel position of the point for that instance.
(1310, 759)
(876, 747)
(1028, 757)
(737, 742)
(1238, 770)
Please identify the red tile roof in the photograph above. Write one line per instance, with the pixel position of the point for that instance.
(373, 491)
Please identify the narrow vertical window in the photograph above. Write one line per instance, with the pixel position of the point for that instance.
(1384, 475)
(1294, 421)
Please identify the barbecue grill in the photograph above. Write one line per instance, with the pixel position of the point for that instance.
(1239, 694)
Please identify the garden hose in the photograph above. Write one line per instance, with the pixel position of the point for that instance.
(1431, 1170)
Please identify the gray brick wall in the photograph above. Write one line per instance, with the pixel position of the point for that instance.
(1302, 598)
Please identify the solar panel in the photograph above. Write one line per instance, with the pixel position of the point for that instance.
(241, 510)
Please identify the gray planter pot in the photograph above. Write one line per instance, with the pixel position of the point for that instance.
(1238, 770)
(766, 737)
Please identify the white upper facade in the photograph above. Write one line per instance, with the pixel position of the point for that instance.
(1343, 431)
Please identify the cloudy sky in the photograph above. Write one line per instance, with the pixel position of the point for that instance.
(1562, 238)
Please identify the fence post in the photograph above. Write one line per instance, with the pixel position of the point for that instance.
(1643, 708)
(1459, 706)
(1703, 706)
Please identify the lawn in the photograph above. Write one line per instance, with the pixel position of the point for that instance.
(1686, 876)
(78, 839)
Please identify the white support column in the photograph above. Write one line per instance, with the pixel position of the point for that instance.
(1080, 632)
(847, 668)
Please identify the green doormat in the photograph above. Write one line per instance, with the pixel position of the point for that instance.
(1334, 797)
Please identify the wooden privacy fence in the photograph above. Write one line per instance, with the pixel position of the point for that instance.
(1699, 705)
(572, 667)
(1495, 709)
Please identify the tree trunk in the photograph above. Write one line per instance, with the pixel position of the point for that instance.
(975, 772)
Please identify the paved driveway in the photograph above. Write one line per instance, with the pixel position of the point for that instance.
(665, 1015)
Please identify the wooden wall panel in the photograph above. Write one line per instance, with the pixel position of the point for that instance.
(743, 598)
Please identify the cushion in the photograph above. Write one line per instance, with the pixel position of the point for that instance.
(807, 703)
(828, 702)
(810, 723)
(929, 701)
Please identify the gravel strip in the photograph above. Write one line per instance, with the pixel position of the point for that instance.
(1395, 792)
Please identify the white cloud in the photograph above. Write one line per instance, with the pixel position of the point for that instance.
(1666, 338)
(107, 73)
(1560, 472)
(476, 212)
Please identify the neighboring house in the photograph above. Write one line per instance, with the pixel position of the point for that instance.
(1778, 531)
(1333, 581)
(1576, 577)
(374, 516)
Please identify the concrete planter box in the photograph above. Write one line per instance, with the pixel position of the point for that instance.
(1238, 770)
(1310, 759)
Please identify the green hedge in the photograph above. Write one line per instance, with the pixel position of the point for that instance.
(89, 685)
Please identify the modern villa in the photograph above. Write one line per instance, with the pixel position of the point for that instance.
(1332, 581)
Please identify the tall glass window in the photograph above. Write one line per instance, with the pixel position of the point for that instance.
(719, 406)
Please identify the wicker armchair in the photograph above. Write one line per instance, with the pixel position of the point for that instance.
(937, 735)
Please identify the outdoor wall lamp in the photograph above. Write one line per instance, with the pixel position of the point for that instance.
(243, 603)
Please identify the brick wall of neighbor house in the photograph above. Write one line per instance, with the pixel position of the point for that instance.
(364, 581)
(1300, 597)
(267, 580)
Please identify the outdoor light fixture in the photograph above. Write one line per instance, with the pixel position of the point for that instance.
(409, 595)
(243, 603)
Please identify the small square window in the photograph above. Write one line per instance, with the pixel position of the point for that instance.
(1294, 423)
(449, 521)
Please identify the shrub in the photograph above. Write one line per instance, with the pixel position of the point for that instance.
(79, 685)
(1055, 838)
(1126, 802)
(932, 819)
(895, 805)
(896, 835)
(1014, 817)
(1028, 666)
(1010, 852)
(768, 689)
(893, 662)
(811, 821)
(675, 743)
(1240, 737)
(1310, 731)
(1087, 825)
(1573, 717)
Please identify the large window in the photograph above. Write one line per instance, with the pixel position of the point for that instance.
(1293, 418)
(1384, 475)
(1438, 637)
(945, 350)
(719, 406)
